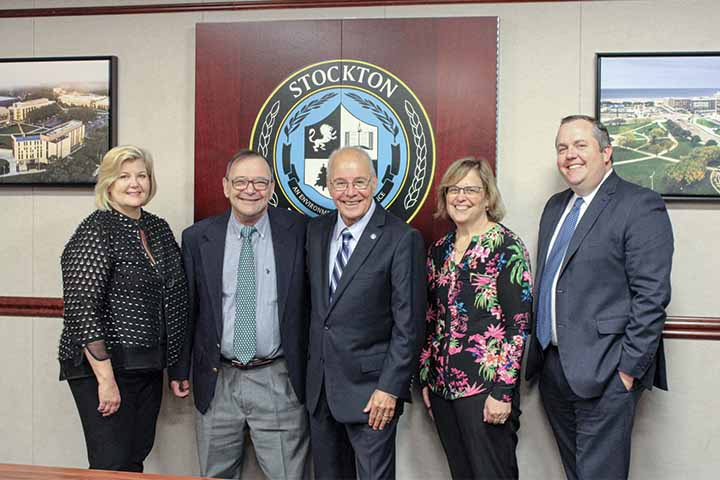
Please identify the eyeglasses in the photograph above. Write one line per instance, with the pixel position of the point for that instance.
(361, 183)
(259, 183)
(469, 191)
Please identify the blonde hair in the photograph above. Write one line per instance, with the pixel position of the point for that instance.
(456, 172)
(110, 171)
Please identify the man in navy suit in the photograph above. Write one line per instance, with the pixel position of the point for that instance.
(367, 279)
(602, 285)
(248, 333)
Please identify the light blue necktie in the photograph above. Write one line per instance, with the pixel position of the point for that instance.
(341, 259)
(244, 337)
(554, 260)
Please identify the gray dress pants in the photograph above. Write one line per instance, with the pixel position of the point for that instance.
(262, 401)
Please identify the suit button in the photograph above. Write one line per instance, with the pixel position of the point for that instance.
(326, 327)
(218, 345)
(560, 290)
(215, 370)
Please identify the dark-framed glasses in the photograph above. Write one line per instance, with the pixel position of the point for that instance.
(259, 183)
(469, 191)
(361, 183)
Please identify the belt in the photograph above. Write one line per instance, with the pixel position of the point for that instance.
(254, 363)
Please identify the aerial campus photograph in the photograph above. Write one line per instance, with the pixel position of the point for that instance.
(54, 120)
(663, 115)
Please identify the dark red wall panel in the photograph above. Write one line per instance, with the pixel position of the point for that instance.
(449, 63)
(237, 67)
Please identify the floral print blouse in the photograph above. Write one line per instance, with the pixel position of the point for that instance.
(477, 317)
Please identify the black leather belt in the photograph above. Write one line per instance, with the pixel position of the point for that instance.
(254, 363)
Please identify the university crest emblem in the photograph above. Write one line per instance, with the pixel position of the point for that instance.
(340, 103)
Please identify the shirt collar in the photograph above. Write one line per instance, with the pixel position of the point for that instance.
(261, 225)
(589, 197)
(356, 228)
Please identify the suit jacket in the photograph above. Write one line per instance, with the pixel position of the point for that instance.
(612, 290)
(370, 336)
(203, 248)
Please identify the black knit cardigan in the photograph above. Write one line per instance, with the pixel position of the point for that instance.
(117, 302)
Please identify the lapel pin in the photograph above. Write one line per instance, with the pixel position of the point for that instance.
(373, 236)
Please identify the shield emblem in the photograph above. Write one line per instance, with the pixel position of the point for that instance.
(339, 129)
(356, 133)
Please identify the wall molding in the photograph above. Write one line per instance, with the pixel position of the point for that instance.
(676, 327)
(31, 307)
(692, 328)
(223, 6)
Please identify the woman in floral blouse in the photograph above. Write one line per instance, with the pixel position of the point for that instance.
(479, 303)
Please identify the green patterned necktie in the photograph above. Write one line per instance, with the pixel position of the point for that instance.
(244, 342)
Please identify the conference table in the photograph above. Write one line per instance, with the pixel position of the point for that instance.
(10, 471)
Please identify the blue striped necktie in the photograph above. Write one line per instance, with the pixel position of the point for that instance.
(552, 265)
(341, 259)
(244, 336)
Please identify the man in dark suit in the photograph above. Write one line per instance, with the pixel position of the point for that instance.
(602, 285)
(248, 333)
(367, 282)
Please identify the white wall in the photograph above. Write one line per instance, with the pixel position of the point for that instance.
(546, 72)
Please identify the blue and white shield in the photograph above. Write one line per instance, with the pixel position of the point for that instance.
(339, 129)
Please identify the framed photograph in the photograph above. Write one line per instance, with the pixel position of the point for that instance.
(57, 119)
(663, 114)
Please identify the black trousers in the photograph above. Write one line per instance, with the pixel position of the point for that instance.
(475, 449)
(123, 440)
(593, 434)
(343, 451)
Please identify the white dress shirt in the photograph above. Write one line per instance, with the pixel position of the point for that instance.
(356, 229)
(587, 199)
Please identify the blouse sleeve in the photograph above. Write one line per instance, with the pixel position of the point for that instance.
(514, 288)
(86, 272)
(430, 319)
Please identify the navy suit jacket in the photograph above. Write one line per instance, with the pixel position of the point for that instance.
(613, 287)
(203, 249)
(370, 336)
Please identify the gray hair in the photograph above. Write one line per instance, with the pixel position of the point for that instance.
(243, 155)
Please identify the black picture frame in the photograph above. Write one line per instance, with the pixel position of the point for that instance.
(663, 114)
(57, 119)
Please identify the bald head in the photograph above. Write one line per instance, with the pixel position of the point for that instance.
(346, 154)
